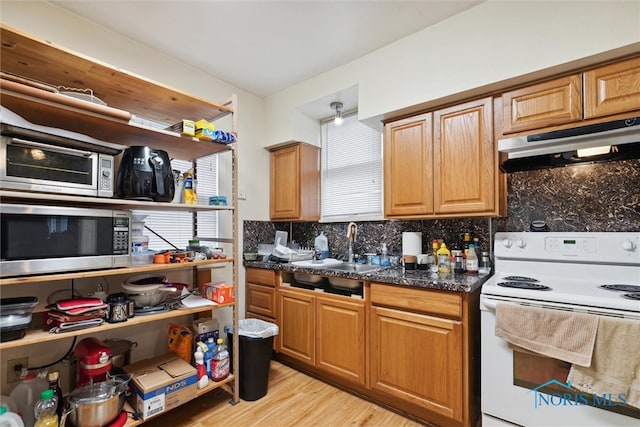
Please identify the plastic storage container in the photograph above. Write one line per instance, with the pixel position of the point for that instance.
(255, 338)
(15, 317)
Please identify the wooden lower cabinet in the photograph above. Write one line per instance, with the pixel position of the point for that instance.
(415, 350)
(326, 333)
(297, 325)
(340, 343)
(417, 358)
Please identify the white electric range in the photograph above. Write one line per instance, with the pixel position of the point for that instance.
(557, 271)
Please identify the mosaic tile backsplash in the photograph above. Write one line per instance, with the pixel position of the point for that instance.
(592, 197)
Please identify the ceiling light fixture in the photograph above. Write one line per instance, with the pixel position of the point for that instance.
(338, 107)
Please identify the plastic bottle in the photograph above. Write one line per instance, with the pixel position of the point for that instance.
(434, 249)
(384, 256)
(189, 196)
(465, 244)
(322, 245)
(220, 362)
(208, 355)
(472, 260)
(45, 410)
(26, 394)
(203, 378)
(443, 259)
(9, 419)
(54, 384)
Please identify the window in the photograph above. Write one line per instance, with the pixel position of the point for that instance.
(351, 171)
(178, 227)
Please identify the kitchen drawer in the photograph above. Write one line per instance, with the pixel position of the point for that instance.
(261, 276)
(442, 303)
(261, 300)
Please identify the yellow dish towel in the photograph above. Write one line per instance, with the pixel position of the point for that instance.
(559, 334)
(615, 367)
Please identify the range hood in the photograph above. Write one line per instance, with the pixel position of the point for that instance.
(615, 140)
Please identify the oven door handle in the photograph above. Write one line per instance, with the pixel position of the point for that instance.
(487, 304)
(31, 144)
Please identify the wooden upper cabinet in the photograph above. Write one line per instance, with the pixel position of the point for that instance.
(542, 105)
(612, 89)
(295, 183)
(465, 159)
(408, 167)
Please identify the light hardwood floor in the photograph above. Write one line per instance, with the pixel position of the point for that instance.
(293, 399)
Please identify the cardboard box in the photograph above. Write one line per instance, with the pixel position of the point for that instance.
(161, 383)
(220, 292)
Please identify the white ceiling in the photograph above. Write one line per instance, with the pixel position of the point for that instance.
(265, 46)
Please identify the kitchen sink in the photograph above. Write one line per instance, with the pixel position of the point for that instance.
(324, 263)
(355, 268)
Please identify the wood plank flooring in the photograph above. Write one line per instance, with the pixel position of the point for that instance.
(293, 399)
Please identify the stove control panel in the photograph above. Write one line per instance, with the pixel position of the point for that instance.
(596, 247)
(570, 245)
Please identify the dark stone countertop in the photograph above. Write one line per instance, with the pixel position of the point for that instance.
(413, 278)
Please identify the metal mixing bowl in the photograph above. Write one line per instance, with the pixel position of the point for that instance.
(95, 405)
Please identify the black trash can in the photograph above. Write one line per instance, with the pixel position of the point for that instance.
(256, 343)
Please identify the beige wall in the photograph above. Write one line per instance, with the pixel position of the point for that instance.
(492, 43)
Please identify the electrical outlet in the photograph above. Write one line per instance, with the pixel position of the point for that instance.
(13, 375)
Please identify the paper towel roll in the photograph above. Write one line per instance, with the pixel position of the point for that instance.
(411, 243)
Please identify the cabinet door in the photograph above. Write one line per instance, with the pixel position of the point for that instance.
(340, 338)
(546, 104)
(612, 89)
(408, 167)
(295, 183)
(285, 183)
(261, 300)
(465, 159)
(297, 325)
(418, 359)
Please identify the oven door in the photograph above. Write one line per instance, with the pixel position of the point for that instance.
(511, 381)
(45, 239)
(34, 166)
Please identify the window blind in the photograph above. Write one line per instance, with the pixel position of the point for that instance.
(351, 171)
(178, 227)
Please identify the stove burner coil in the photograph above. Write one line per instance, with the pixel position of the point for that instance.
(520, 279)
(524, 285)
(622, 288)
(633, 296)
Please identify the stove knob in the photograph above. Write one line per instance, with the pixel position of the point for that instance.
(628, 245)
(521, 243)
(507, 243)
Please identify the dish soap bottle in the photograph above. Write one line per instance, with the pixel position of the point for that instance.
(220, 362)
(322, 245)
(384, 256)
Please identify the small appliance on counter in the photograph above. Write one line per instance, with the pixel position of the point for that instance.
(145, 174)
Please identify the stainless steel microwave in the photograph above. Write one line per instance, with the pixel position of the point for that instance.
(48, 239)
(34, 161)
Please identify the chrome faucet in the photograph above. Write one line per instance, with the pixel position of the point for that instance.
(352, 232)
